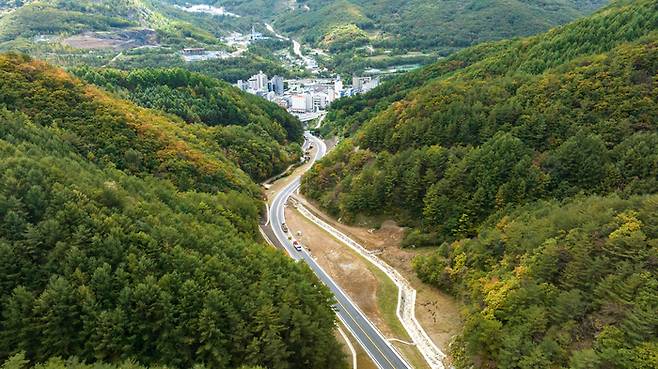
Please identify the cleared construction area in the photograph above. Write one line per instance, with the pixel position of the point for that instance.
(430, 316)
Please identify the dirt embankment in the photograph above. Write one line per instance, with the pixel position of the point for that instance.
(437, 312)
(349, 271)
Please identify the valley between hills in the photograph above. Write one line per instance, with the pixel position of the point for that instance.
(328, 184)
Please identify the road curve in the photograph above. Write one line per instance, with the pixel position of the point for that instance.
(369, 337)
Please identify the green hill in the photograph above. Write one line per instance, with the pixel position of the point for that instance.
(545, 131)
(416, 24)
(125, 32)
(126, 235)
(112, 131)
(363, 34)
(359, 34)
(422, 25)
(23, 20)
(258, 135)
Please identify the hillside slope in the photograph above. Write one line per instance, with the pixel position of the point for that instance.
(416, 24)
(112, 131)
(543, 128)
(141, 141)
(124, 32)
(126, 235)
(422, 25)
(525, 95)
(23, 20)
(258, 135)
(598, 33)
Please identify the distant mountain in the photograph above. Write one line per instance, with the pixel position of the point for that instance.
(129, 34)
(360, 34)
(130, 235)
(366, 35)
(532, 166)
(415, 24)
(85, 32)
(44, 19)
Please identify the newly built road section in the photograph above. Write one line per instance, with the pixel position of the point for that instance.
(371, 339)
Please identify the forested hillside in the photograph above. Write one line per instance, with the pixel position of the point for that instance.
(127, 235)
(22, 20)
(359, 34)
(557, 284)
(111, 131)
(416, 24)
(365, 34)
(543, 133)
(422, 25)
(122, 33)
(263, 138)
(598, 33)
(19, 361)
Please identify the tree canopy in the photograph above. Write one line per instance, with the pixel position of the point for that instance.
(263, 139)
(532, 166)
(127, 236)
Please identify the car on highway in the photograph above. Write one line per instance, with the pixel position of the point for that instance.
(297, 245)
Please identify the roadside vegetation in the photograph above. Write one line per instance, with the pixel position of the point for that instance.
(557, 132)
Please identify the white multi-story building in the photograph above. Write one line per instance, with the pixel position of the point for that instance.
(300, 96)
(364, 84)
(320, 101)
(258, 82)
(301, 103)
(338, 86)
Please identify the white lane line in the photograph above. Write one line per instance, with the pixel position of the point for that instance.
(406, 293)
(278, 203)
(313, 264)
(350, 346)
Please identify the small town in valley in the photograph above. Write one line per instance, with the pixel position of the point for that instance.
(308, 97)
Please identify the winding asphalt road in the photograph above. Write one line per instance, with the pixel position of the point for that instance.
(371, 339)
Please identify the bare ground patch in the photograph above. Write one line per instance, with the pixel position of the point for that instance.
(90, 42)
(349, 271)
(117, 40)
(437, 312)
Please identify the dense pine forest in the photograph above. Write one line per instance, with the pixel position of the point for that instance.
(262, 138)
(525, 170)
(19, 361)
(128, 236)
(533, 164)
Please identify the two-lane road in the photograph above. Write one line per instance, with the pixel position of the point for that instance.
(372, 341)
